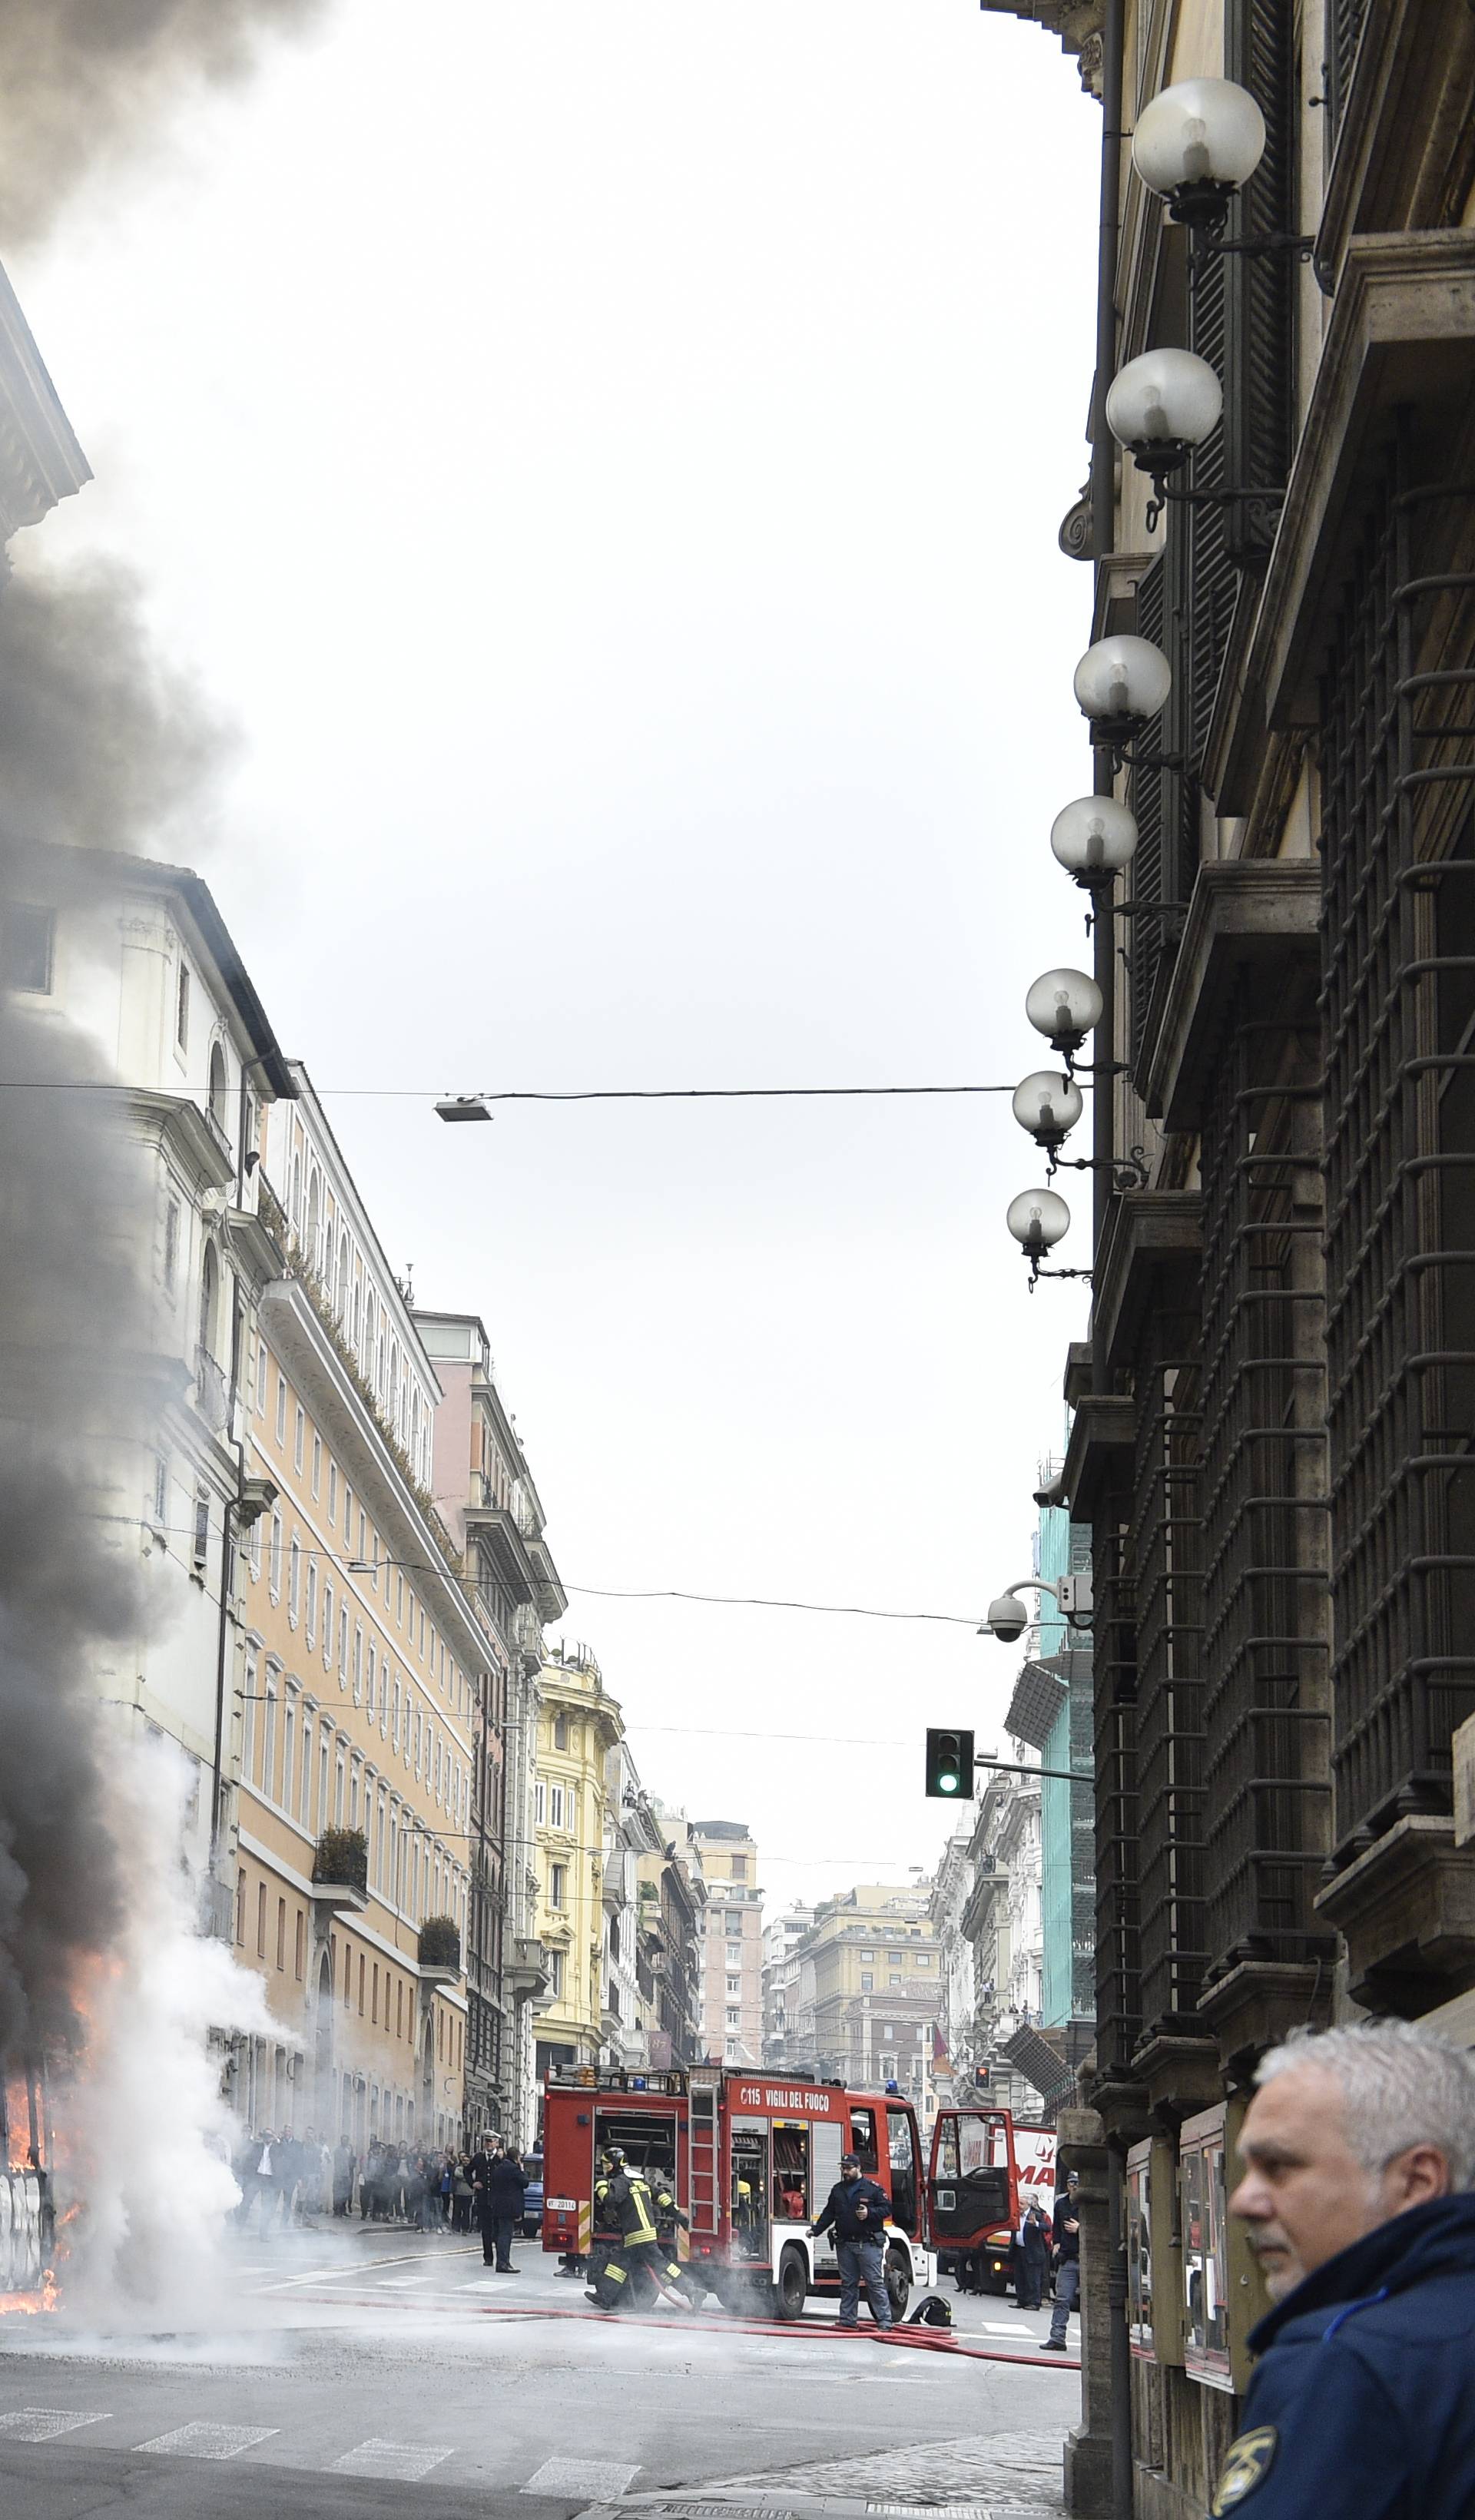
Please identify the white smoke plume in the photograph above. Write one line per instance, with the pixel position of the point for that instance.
(144, 2136)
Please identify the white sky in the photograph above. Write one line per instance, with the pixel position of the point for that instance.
(607, 461)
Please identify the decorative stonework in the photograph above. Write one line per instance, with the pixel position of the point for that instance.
(40, 460)
(1077, 23)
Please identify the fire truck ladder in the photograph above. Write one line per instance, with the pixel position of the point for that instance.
(704, 2190)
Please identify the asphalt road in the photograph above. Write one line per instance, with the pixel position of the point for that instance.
(372, 2370)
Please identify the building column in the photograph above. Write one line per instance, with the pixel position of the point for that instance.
(1083, 2147)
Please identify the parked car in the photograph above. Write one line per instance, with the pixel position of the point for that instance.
(532, 2195)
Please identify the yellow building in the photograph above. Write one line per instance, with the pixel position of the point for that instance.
(870, 1990)
(361, 1679)
(578, 1726)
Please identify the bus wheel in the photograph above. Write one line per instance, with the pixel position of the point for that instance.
(791, 2290)
(898, 2282)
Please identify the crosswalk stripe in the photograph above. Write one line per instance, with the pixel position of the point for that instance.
(408, 2461)
(595, 2480)
(210, 2440)
(45, 2423)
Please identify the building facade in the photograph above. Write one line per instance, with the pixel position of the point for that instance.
(731, 1941)
(631, 1834)
(1269, 1439)
(877, 1989)
(672, 1896)
(578, 1725)
(363, 1677)
(782, 1936)
(485, 1497)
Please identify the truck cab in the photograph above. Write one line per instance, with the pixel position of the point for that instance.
(973, 2192)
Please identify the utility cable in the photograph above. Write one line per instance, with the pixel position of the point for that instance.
(522, 1094)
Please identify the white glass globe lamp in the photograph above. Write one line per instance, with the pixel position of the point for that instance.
(1120, 682)
(1195, 144)
(1047, 1107)
(1162, 406)
(1064, 1006)
(1036, 1219)
(1094, 838)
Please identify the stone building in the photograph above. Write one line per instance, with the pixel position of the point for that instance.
(672, 1895)
(578, 1725)
(878, 1988)
(782, 1936)
(731, 1941)
(1270, 1437)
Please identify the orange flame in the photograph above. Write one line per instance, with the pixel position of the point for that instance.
(27, 2303)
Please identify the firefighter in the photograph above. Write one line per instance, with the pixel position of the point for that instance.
(609, 2285)
(668, 2219)
(627, 2200)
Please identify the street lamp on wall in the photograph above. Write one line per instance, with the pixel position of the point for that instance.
(1094, 838)
(1197, 145)
(1120, 682)
(1066, 1005)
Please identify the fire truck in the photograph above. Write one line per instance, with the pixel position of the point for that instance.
(754, 2157)
(985, 2169)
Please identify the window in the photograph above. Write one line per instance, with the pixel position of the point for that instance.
(343, 1649)
(182, 1007)
(261, 1921)
(299, 1433)
(28, 937)
(555, 1974)
(904, 2181)
(312, 1601)
(888, 2069)
(922, 1959)
(327, 1627)
(734, 1986)
(263, 1359)
(358, 1664)
(556, 1808)
(289, 1773)
(561, 1732)
(739, 1868)
(558, 1874)
(372, 1665)
(274, 1569)
(332, 1490)
(161, 1492)
(867, 1956)
(171, 1246)
(399, 1601)
(294, 1581)
(219, 1089)
(317, 1463)
(347, 1514)
(363, 1534)
(895, 1978)
(867, 1982)
(540, 1802)
(300, 1954)
(886, 2030)
(281, 1409)
(734, 2017)
(894, 1958)
(280, 1933)
(394, 1728)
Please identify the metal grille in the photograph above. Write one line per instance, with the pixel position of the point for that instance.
(1151, 800)
(1344, 27)
(1118, 1976)
(1259, 289)
(1399, 990)
(1265, 1704)
(1166, 1544)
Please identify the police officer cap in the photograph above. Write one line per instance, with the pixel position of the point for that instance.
(850, 2161)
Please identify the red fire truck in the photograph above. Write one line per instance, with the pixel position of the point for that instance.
(754, 2157)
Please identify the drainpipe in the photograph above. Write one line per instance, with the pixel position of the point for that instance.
(1103, 1102)
(1103, 536)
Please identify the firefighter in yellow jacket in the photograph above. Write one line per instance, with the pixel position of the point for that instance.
(627, 2243)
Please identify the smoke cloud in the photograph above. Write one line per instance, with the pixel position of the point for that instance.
(85, 85)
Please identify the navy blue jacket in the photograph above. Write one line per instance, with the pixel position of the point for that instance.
(844, 2197)
(1362, 2406)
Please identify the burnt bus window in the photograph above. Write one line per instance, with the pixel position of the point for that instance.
(862, 2139)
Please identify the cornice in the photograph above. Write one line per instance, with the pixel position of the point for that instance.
(40, 459)
(1245, 915)
(1152, 1233)
(1077, 23)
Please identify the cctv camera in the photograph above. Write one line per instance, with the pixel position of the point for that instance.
(1007, 1618)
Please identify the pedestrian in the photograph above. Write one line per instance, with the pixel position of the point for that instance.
(858, 2209)
(502, 2210)
(1359, 2154)
(1034, 2255)
(342, 2177)
(255, 2176)
(1067, 2256)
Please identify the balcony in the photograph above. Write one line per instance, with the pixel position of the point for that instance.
(495, 1529)
(211, 1392)
(525, 1973)
(340, 1871)
(439, 1951)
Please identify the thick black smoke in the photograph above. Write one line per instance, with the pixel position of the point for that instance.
(99, 752)
(85, 84)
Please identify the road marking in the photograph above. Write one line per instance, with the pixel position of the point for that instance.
(45, 2423)
(603, 2480)
(210, 2440)
(996, 2327)
(406, 2460)
(405, 2283)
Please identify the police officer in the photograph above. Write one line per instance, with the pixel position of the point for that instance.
(858, 2208)
(1359, 2152)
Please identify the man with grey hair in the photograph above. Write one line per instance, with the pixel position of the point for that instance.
(1359, 2153)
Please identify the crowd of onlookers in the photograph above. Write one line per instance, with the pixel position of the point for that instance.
(294, 2178)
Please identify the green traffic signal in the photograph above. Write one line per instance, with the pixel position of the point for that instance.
(950, 1765)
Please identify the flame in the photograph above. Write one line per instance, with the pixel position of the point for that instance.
(27, 2303)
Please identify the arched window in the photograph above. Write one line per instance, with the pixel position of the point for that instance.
(314, 1217)
(296, 1188)
(561, 1731)
(341, 1282)
(209, 1298)
(219, 1089)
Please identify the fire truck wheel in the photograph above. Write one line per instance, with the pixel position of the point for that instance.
(791, 2290)
(898, 2282)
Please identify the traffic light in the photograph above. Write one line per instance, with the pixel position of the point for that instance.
(950, 1765)
(980, 2077)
